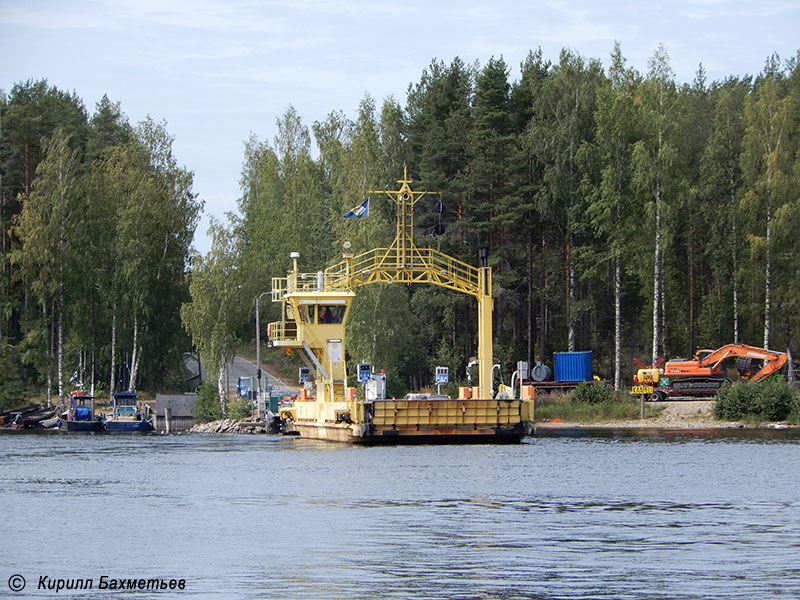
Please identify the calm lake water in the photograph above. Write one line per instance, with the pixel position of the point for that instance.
(576, 516)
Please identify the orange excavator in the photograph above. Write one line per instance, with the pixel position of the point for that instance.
(703, 375)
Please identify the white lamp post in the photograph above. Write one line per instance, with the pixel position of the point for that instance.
(258, 349)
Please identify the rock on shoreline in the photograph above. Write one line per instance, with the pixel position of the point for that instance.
(249, 426)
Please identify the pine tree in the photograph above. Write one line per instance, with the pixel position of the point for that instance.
(564, 121)
(523, 221)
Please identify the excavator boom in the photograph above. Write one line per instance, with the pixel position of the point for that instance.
(773, 361)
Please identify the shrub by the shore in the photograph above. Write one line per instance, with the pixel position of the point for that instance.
(770, 400)
(207, 407)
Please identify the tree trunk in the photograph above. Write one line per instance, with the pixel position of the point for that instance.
(60, 316)
(691, 283)
(617, 319)
(92, 375)
(657, 277)
(663, 311)
(113, 383)
(135, 355)
(27, 172)
(531, 316)
(542, 313)
(735, 269)
(570, 298)
(223, 393)
(60, 348)
(768, 276)
(49, 357)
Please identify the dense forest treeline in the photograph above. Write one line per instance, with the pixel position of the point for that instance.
(626, 213)
(97, 226)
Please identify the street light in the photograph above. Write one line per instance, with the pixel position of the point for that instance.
(258, 348)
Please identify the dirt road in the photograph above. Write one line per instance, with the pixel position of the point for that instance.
(676, 414)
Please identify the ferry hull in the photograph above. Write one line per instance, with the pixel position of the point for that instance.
(128, 426)
(436, 435)
(81, 426)
(414, 421)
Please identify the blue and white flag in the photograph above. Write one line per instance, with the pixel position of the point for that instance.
(362, 210)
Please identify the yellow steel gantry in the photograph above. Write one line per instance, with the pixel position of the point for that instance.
(402, 262)
(405, 262)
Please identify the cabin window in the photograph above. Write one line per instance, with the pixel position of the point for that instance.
(331, 314)
(306, 312)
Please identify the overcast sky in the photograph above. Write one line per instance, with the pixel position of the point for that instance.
(216, 71)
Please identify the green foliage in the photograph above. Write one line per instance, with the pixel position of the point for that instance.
(619, 208)
(775, 399)
(207, 407)
(616, 407)
(33, 112)
(239, 408)
(735, 401)
(14, 391)
(770, 400)
(592, 393)
(217, 304)
(103, 219)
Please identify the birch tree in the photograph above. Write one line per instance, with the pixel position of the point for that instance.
(612, 206)
(653, 157)
(114, 181)
(766, 163)
(155, 233)
(217, 305)
(44, 230)
(721, 178)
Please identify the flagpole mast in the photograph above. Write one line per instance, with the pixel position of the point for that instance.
(404, 262)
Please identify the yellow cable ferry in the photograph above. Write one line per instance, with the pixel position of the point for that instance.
(314, 313)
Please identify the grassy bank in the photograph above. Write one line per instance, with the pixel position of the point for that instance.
(592, 404)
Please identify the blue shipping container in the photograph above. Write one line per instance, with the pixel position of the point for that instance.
(572, 367)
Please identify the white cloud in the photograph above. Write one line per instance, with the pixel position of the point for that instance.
(16, 14)
(718, 9)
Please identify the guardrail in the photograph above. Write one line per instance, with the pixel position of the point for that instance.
(415, 265)
(280, 331)
(387, 265)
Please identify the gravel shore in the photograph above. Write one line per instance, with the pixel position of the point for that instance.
(677, 414)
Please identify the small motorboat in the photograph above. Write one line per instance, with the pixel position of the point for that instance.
(49, 423)
(126, 415)
(80, 415)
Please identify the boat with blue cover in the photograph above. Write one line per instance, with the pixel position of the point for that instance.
(126, 415)
(80, 415)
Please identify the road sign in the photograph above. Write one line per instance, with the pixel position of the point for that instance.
(364, 373)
